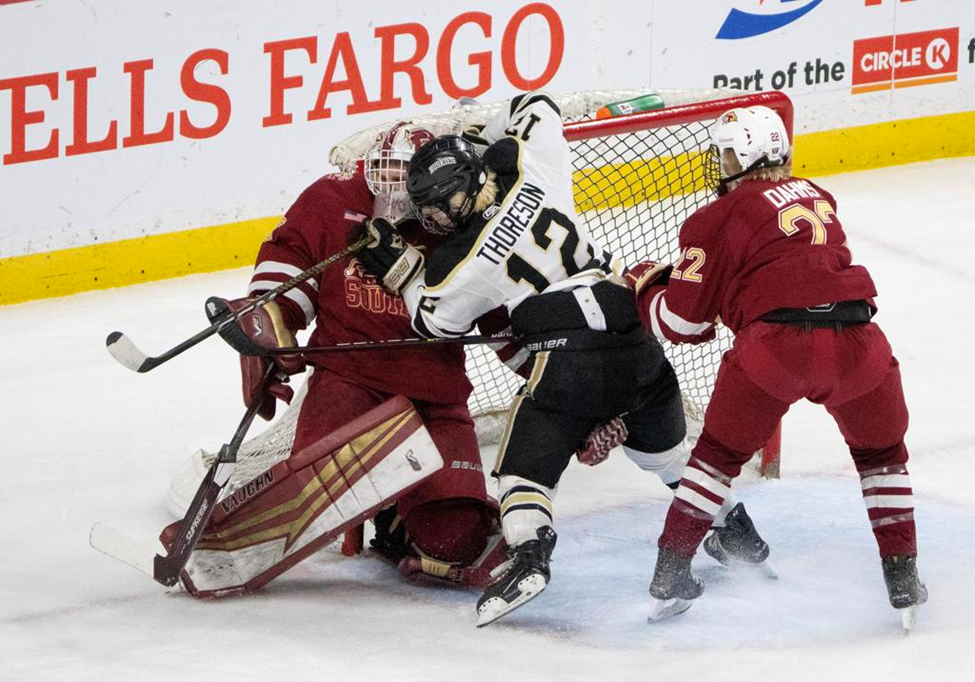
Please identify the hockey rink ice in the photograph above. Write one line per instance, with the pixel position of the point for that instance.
(85, 440)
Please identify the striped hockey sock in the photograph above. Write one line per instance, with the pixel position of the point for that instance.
(525, 507)
(699, 499)
(890, 507)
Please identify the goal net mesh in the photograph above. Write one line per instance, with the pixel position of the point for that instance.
(633, 190)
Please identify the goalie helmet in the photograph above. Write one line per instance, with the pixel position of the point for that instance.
(385, 168)
(755, 135)
(444, 179)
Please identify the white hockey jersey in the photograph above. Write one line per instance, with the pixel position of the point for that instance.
(529, 241)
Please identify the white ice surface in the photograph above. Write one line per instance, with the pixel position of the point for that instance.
(84, 440)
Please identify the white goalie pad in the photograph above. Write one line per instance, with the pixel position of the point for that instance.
(298, 506)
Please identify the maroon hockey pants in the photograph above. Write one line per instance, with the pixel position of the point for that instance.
(852, 373)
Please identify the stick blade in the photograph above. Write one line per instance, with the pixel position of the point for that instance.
(909, 618)
(122, 548)
(126, 353)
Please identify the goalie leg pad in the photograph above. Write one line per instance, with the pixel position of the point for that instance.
(300, 505)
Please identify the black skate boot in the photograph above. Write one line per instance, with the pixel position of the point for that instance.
(525, 576)
(737, 542)
(673, 586)
(905, 589)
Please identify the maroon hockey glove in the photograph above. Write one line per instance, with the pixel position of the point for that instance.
(389, 258)
(264, 327)
(603, 438)
(646, 274)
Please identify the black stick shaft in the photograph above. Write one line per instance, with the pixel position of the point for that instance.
(166, 569)
(390, 344)
(125, 351)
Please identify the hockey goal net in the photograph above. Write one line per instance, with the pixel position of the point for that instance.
(636, 178)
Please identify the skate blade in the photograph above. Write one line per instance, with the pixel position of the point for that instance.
(767, 570)
(496, 608)
(909, 618)
(662, 609)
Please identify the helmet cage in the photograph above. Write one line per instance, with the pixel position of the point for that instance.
(388, 157)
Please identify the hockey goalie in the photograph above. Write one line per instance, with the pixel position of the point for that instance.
(380, 435)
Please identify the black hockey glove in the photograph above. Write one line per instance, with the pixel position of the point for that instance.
(388, 258)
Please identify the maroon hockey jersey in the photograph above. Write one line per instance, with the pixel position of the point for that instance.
(348, 304)
(763, 246)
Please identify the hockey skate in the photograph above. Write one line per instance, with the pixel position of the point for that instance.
(737, 542)
(905, 589)
(525, 575)
(674, 587)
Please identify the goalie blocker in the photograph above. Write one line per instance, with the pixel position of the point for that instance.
(301, 504)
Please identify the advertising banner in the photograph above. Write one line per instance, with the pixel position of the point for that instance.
(140, 119)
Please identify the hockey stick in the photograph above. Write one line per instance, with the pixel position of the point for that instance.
(128, 354)
(243, 345)
(166, 569)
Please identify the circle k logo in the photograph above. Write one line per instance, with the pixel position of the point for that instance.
(938, 54)
(749, 18)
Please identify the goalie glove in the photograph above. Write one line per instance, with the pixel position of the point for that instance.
(263, 327)
(388, 257)
(603, 438)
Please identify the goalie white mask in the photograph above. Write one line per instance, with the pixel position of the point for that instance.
(385, 168)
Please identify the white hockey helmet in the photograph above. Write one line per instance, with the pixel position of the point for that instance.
(756, 135)
(387, 158)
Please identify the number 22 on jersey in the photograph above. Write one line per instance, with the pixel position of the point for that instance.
(793, 217)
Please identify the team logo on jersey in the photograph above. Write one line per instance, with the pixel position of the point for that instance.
(491, 211)
(364, 291)
(757, 18)
(440, 163)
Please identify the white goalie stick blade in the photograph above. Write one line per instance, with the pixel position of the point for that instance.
(121, 547)
(909, 618)
(662, 609)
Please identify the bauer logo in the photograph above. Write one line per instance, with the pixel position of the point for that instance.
(749, 18)
(905, 60)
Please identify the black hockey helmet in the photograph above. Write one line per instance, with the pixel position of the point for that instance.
(437, 173)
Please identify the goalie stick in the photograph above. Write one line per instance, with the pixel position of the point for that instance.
(166, 569)
(128, 354)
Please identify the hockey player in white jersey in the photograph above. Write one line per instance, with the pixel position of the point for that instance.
(516, 240)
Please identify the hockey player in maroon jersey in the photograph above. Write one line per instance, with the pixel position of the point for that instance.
(770, 260)
(445, 529)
